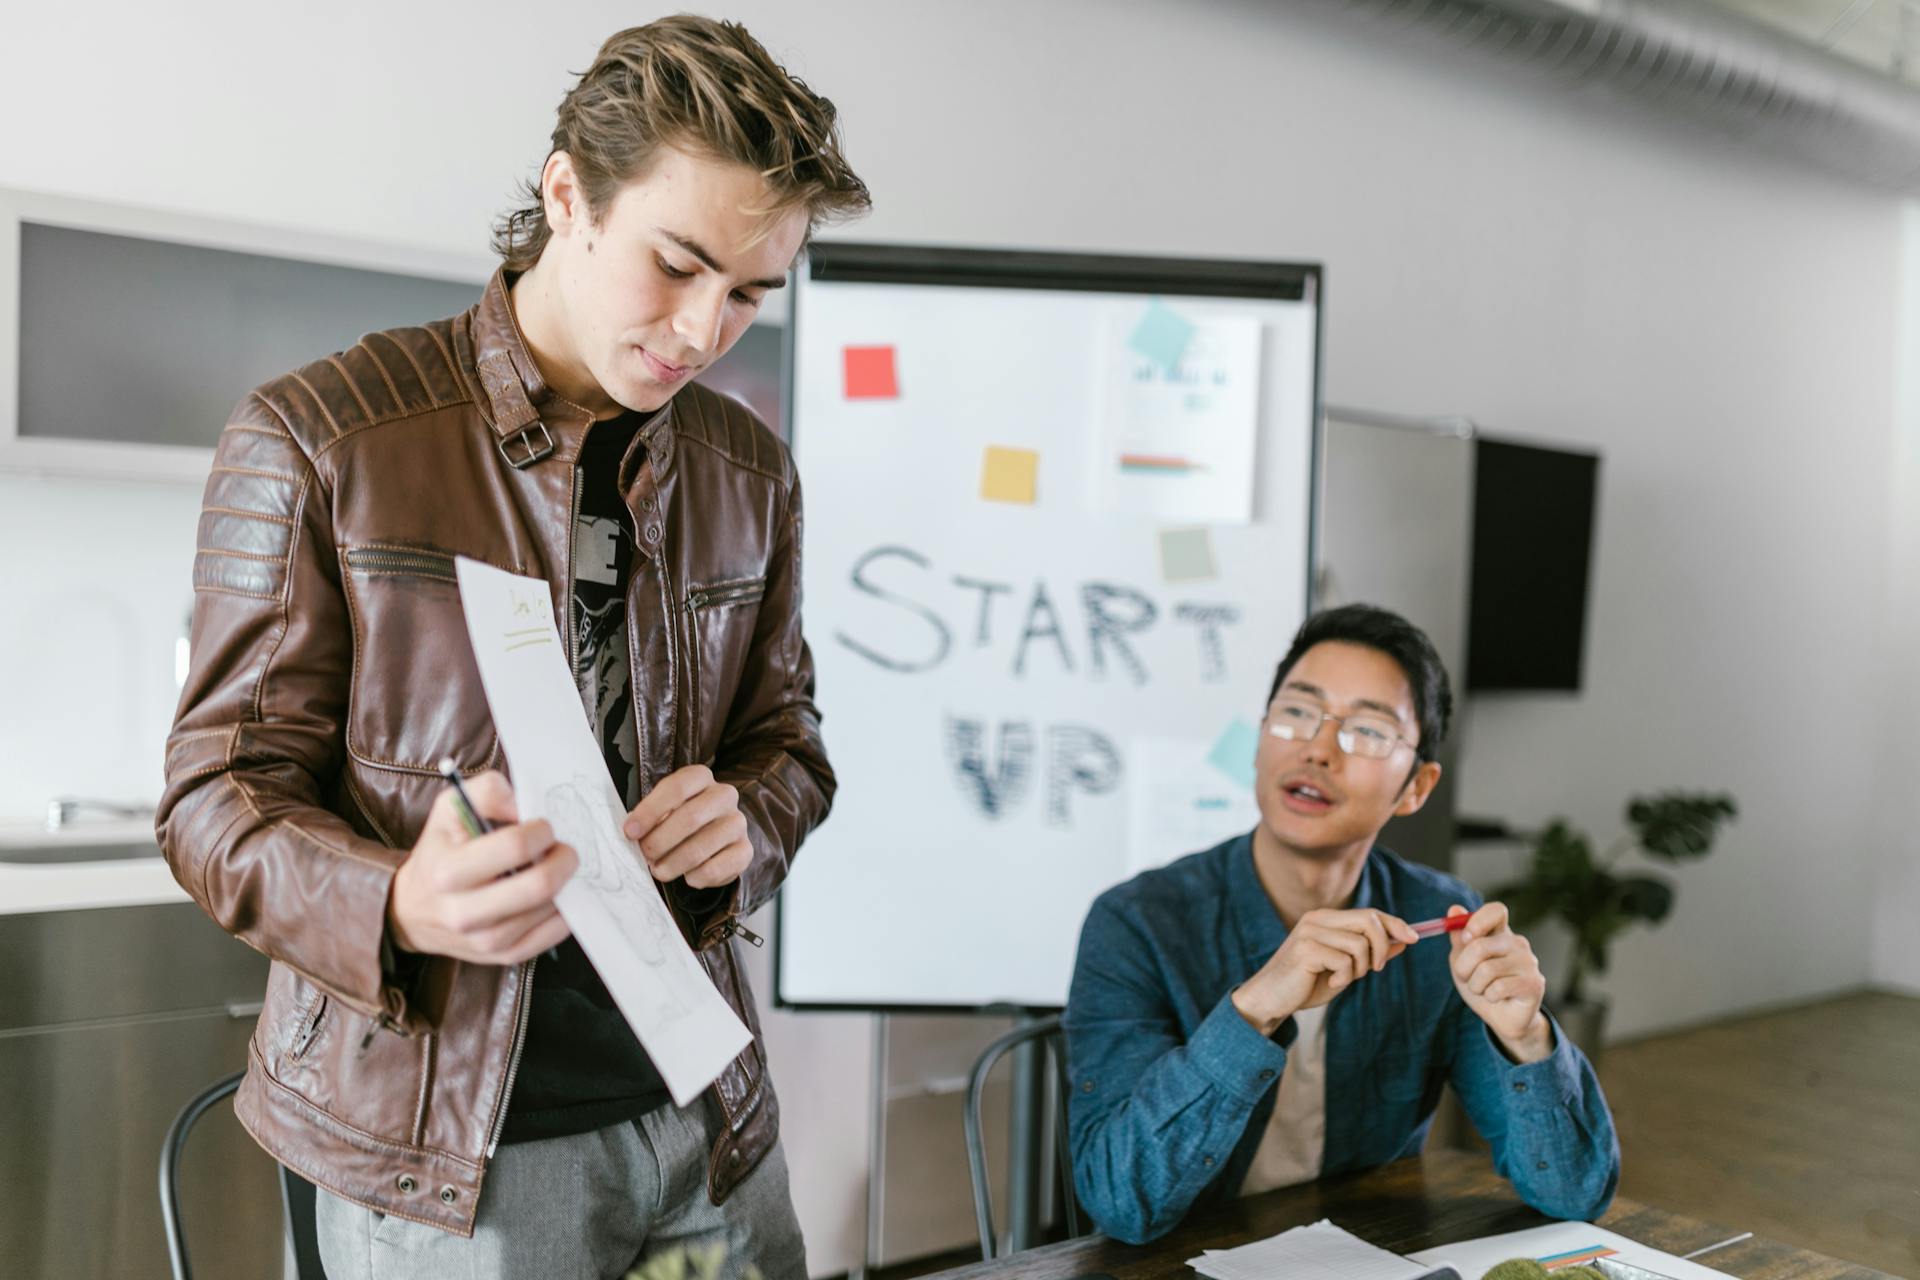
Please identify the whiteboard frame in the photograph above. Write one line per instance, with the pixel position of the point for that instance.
(848, 262)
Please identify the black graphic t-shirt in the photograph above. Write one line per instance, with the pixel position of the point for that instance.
(581, 1067)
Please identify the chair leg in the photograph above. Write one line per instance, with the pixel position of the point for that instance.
(170, 1149)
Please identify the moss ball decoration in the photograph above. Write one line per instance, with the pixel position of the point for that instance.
(1528, 1269)
(1517, 1269)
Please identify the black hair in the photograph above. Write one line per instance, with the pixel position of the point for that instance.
(1391, 634)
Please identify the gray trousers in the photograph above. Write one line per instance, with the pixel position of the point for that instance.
(591, 1207)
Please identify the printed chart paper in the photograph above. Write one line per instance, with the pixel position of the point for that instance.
(1175, 442)
(1563, 1242)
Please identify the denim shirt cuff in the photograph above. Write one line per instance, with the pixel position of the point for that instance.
(1227, 1049)
(1554, 1081)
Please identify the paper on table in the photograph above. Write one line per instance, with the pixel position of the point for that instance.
(1178, 802)
(1474, 1258)
(612, 902)
(1319, 1252)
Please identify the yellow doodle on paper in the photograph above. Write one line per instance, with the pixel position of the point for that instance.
(1009, 475)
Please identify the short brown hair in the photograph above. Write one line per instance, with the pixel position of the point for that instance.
(703, 86)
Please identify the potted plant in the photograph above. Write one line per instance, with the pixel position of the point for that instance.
(1566, 882)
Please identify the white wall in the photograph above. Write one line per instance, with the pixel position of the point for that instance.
(1896, 899)
(1722, 326)
(97, 580)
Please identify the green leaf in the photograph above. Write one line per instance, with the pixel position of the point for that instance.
(1646, 898)
(1562, 857)
(1676, 825)
(1599, 921)
(1527, 902)
(1566, 873)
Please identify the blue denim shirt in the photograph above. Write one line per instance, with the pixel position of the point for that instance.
(1172, 1089)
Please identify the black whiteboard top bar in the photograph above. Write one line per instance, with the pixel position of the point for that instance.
(841, 262)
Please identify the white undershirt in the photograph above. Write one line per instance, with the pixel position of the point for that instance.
(1291, 1149)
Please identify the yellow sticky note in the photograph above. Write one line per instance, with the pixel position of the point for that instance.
(1009, 475)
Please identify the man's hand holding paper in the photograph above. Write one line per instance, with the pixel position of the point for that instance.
(690, 826)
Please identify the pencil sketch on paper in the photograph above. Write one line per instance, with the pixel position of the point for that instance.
(619, 915)
(610, 865)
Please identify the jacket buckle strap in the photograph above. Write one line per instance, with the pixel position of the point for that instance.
(523, 438)
(521, 450)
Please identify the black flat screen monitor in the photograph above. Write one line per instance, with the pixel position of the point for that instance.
(1533, 512)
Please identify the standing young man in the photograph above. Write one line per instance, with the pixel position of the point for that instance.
(1262, 1014)
(466, 1108)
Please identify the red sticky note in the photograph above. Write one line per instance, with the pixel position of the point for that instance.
(870, 374)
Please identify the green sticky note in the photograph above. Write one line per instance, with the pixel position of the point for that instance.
(1186, 555)
(1232, 752)
(1162, 335)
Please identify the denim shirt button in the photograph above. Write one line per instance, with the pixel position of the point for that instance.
(1208, 1162)
(1519, 1086)
(1266, 1073)
(1541, 1165)
(1086, 1086)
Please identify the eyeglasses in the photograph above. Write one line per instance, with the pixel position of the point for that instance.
(1367, 734)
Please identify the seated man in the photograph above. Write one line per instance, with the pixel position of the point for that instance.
(1263, 1014)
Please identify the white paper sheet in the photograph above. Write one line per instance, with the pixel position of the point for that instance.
(1319, 1252)
(1474, 1258)
(1177, 444)
(1179, 803)
(612, 903)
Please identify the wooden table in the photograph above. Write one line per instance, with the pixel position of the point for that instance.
(1408, 1206)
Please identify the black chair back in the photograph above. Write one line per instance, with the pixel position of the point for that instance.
(1045, 1036)
(296, 1193)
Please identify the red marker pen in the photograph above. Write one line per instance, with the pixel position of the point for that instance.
(1445, 924)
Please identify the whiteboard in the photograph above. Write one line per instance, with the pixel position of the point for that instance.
(1019, 702)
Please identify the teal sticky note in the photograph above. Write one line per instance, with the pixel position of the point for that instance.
(1186, 555)
(1232, 753)
(1162, 335)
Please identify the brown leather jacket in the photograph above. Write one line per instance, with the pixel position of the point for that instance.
(331, 671)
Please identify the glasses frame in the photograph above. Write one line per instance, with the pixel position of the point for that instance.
(1341, 735)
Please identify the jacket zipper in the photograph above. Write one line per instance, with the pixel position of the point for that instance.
(523, 1010)
(309, 1027)
(523, 1000)
(726, 593)
(735, 929)
(425, 564)
(714, 597)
